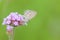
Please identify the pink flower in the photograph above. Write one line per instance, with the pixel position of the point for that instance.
(14, 19)
(8, 22)
(4, 21)
(16, 23)
(9, 27)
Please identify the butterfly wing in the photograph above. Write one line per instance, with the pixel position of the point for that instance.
(29, 14)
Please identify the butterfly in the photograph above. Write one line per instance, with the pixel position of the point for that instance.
(29, 14)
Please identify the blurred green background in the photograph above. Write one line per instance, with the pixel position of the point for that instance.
(45, 25)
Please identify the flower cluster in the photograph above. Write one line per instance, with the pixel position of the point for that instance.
(14, 19)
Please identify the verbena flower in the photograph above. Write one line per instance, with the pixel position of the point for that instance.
(14, 19)
(9, 27)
